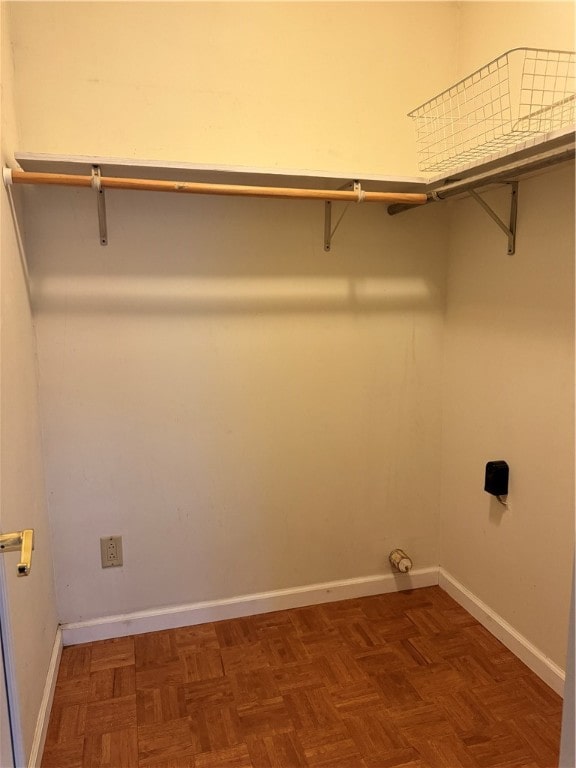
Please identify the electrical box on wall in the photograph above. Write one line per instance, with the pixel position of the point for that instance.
(496, 478)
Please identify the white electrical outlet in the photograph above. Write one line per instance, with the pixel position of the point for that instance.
(111, 551)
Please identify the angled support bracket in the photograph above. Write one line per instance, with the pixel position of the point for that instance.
(328, 231)
(327, 225)
(101, 202)
(510, 230)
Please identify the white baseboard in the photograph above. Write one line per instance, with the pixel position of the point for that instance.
(46, 703)
(153, 620)
(245, 605)
(540, 664)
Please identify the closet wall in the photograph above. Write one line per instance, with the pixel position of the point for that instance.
(507, 25)
(509, 394)
(33, 618)
(294, 85)
(509, 371)
(249, 412)
(252, 413)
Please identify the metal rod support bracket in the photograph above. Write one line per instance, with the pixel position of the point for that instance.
(327, 225)
(509, 230)
(328, 231)
(22, 541)
(101, 202)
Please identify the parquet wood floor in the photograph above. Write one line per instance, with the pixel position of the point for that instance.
(405, 680)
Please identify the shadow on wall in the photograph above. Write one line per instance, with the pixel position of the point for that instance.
(497, 510)
(171, 255)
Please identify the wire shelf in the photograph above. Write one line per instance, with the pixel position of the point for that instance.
(524, 93)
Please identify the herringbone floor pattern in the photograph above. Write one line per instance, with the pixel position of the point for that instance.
(405, 680)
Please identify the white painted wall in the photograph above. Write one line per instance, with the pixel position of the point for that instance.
(509, 394)
(509, 370)
(296, 85)
(33, 620)
(209, 379)
(248, 411)
(488, 29)
(217, 389)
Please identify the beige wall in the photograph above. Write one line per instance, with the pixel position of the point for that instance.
(296, 85)
(215, 377)
(248, 411)
(509, 369)
(487, 29)
(509, 394)
(32, 603)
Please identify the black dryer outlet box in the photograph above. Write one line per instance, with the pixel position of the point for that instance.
(496, 479)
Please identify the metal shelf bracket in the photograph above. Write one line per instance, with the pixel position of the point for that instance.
(328, 231)
(327, 225)
(509, 230)
(101, 203)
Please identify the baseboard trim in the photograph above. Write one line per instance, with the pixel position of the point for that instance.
(46, 703)
(538, 662)
(137, 623)
(244, 605)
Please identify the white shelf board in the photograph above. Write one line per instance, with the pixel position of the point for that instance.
(552, 147)
(214, 174)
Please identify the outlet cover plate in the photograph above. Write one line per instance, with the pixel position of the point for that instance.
(111, 551)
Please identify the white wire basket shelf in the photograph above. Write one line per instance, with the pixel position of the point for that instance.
(521, 95)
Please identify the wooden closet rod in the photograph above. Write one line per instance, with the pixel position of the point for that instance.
(200, 188)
